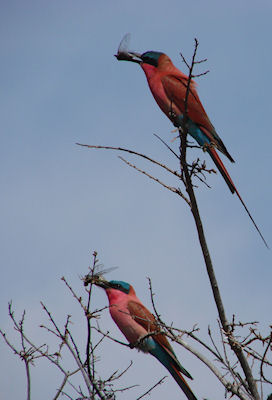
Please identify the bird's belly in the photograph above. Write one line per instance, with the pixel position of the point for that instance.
(128, 326)
(173, 113)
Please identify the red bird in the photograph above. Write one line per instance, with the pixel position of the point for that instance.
(169, 86)
(141, 329)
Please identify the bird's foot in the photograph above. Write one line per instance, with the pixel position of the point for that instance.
(175, 137)
(207, 146)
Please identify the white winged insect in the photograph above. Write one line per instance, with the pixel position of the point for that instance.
(123, 53)
(95, 275)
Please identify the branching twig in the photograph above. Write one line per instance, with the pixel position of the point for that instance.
(107, 335)
(132, 152)
(171, 188)
(263, 358)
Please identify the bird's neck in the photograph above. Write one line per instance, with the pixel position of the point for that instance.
(149, 70)
(153, 76)
(116, 296)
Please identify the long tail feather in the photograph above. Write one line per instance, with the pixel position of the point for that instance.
(181, 382)
(216, 159)
(170, 362)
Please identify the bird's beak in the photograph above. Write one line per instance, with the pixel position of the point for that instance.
(101, 282)
(129, 56)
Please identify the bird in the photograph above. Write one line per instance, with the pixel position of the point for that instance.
(169, 86)
(141, 329)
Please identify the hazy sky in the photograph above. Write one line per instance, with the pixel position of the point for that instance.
(60, 84)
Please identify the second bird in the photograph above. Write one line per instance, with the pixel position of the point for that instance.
(168, 86)
(141, 329)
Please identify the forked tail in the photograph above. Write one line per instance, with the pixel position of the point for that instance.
(216, 159)
(164, 353)
(181, 382)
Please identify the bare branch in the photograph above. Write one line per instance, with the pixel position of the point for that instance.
(65, 379)
(132, 152)
(233, 388)
(203, 73)
(263, 358)
(153, 387)
(172, 189)
(107, 335)
(168, 147)
(236, 347)
(89, 347)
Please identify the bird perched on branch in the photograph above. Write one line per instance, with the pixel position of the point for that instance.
(177, 97)
(141, 329)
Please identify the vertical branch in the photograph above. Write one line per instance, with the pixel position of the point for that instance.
(235, 346)
(183, 132)
(88, 346)
(25, 355)
(28, 378)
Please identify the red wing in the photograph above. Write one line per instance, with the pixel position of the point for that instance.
(143, 316)
(147, 320)
(175, 88)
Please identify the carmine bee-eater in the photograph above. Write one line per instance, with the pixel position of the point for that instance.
(137, 323)
(168, 86)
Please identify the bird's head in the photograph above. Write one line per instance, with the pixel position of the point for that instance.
(149, 57)
(149, 61)
(117, 285)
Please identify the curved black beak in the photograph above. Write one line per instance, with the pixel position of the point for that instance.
(129, 56)
(97, 280)
(101, 282)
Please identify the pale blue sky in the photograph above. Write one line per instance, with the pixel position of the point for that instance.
(60, 84)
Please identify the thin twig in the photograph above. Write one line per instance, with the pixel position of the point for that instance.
(153, 387)
(263, 358)
(88, 320)
(131, 152)
(107, 335)
(171, 188)
(214, 345)
(168, 147)
(65, 379)
(233, 388)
